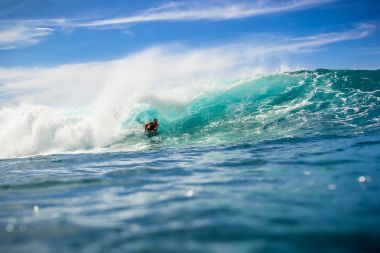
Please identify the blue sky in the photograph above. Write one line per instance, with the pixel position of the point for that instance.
(50, 33)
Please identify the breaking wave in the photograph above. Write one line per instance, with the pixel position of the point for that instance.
(295, 104)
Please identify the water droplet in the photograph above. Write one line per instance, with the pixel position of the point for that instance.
(362, 179)
(10, 228)
(332, 187)
(36, 210)
(189, 193)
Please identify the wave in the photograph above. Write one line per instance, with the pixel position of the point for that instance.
(295, 104)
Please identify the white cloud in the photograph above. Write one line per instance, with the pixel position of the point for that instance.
(185, 11)
(20, 36)
(21, 33)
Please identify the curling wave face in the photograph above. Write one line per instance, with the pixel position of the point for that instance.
(296, 104)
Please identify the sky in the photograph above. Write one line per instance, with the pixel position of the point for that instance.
(53, 50)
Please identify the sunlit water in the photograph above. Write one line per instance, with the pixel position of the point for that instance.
(299, 173)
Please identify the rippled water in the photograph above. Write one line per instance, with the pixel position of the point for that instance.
(318, 194)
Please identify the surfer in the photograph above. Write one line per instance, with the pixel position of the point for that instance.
(152, 126)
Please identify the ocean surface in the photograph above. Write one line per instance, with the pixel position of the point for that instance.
(286, 162)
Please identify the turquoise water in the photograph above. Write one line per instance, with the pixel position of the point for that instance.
(280, 163)
(302, 104)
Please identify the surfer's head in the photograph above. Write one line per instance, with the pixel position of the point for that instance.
(155, 120)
